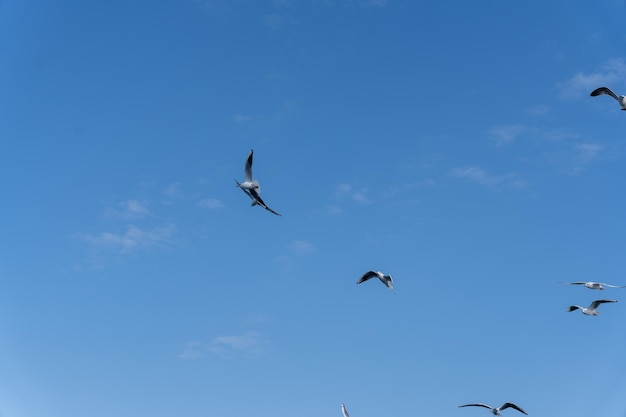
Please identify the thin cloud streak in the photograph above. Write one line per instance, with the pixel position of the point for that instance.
(250, 343)
(581, 84)
(479, 176)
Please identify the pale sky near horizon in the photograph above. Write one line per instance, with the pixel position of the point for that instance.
(452, 144)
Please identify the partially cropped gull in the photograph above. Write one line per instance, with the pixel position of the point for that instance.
(605, 90)
(593, 285)
(385, 279)
(344, 411)
(592, 310)
(251, 186)
(496, 411)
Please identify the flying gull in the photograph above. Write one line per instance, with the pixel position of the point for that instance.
(605, 90)
(593, 285)
(251, 186)
(385, 279)
(496, 411)
(592, 310)
(344, 411)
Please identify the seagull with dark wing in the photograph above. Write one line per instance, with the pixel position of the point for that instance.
(592, 310)
(496, 411)
(385, 279)
(593, 285)
(605, 90)
(251, 186)
(344, 411)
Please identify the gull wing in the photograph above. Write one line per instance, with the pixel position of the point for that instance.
(367, 275)
(612, 286)
(604, 90)
(255, 196)
(573, 283)
(477, 405)
(511, 405)
(248, 166)
(572, 308)
(344, 411)
(597, 303)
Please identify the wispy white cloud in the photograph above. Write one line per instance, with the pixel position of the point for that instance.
(505, 134)
(241, 118)
(479, 176)
(581, 84)
(277, 21)
(347, 191)
(301, 247)
(539, 110)
(249, 344)
(210, 203)
(133, 239)
(172, 190)
(130, 209)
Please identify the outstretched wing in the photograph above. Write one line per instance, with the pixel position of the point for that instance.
(254, 195)
(573, 283)
(612, 286)
(511, 405)
(572, 308)
(597, 303)
(367, 275)
(344, 411)
(248, 166)
(604, 90)
(477, 405)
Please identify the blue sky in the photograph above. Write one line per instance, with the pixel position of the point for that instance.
(450, 144)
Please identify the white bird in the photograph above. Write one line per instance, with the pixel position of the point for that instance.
(593, 285)
(385, 279)
(496, 411)
(592, 310)
(605, 90)
(251, 186)
(344, 411)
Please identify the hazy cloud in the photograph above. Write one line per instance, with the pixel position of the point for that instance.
(480, 176)
(301, 247)
(249, 343)
(347, 191)
(130, 209)
(581, 84)
(505, 134)
(210, 203)
(131, 240)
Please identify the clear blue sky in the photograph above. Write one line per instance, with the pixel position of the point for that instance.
(451, 144)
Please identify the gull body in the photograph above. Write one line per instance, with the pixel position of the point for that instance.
(592, 310)
(385, 279)
(249, 183)
(496, 411)
(344, 411)
(251, 186)
(605, 90)
(593, 285)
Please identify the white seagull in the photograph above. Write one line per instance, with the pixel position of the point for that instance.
(593, 285)
(592, 310)
(496, 411)
(344, 411)
(251, 186)
(385, 279)
(605, 90)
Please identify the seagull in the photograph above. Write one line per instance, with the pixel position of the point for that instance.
(593, 285)
(251, 186)
(344, 411)
(592, 309)
(605, 90)
(385, 279)
(496, 411)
